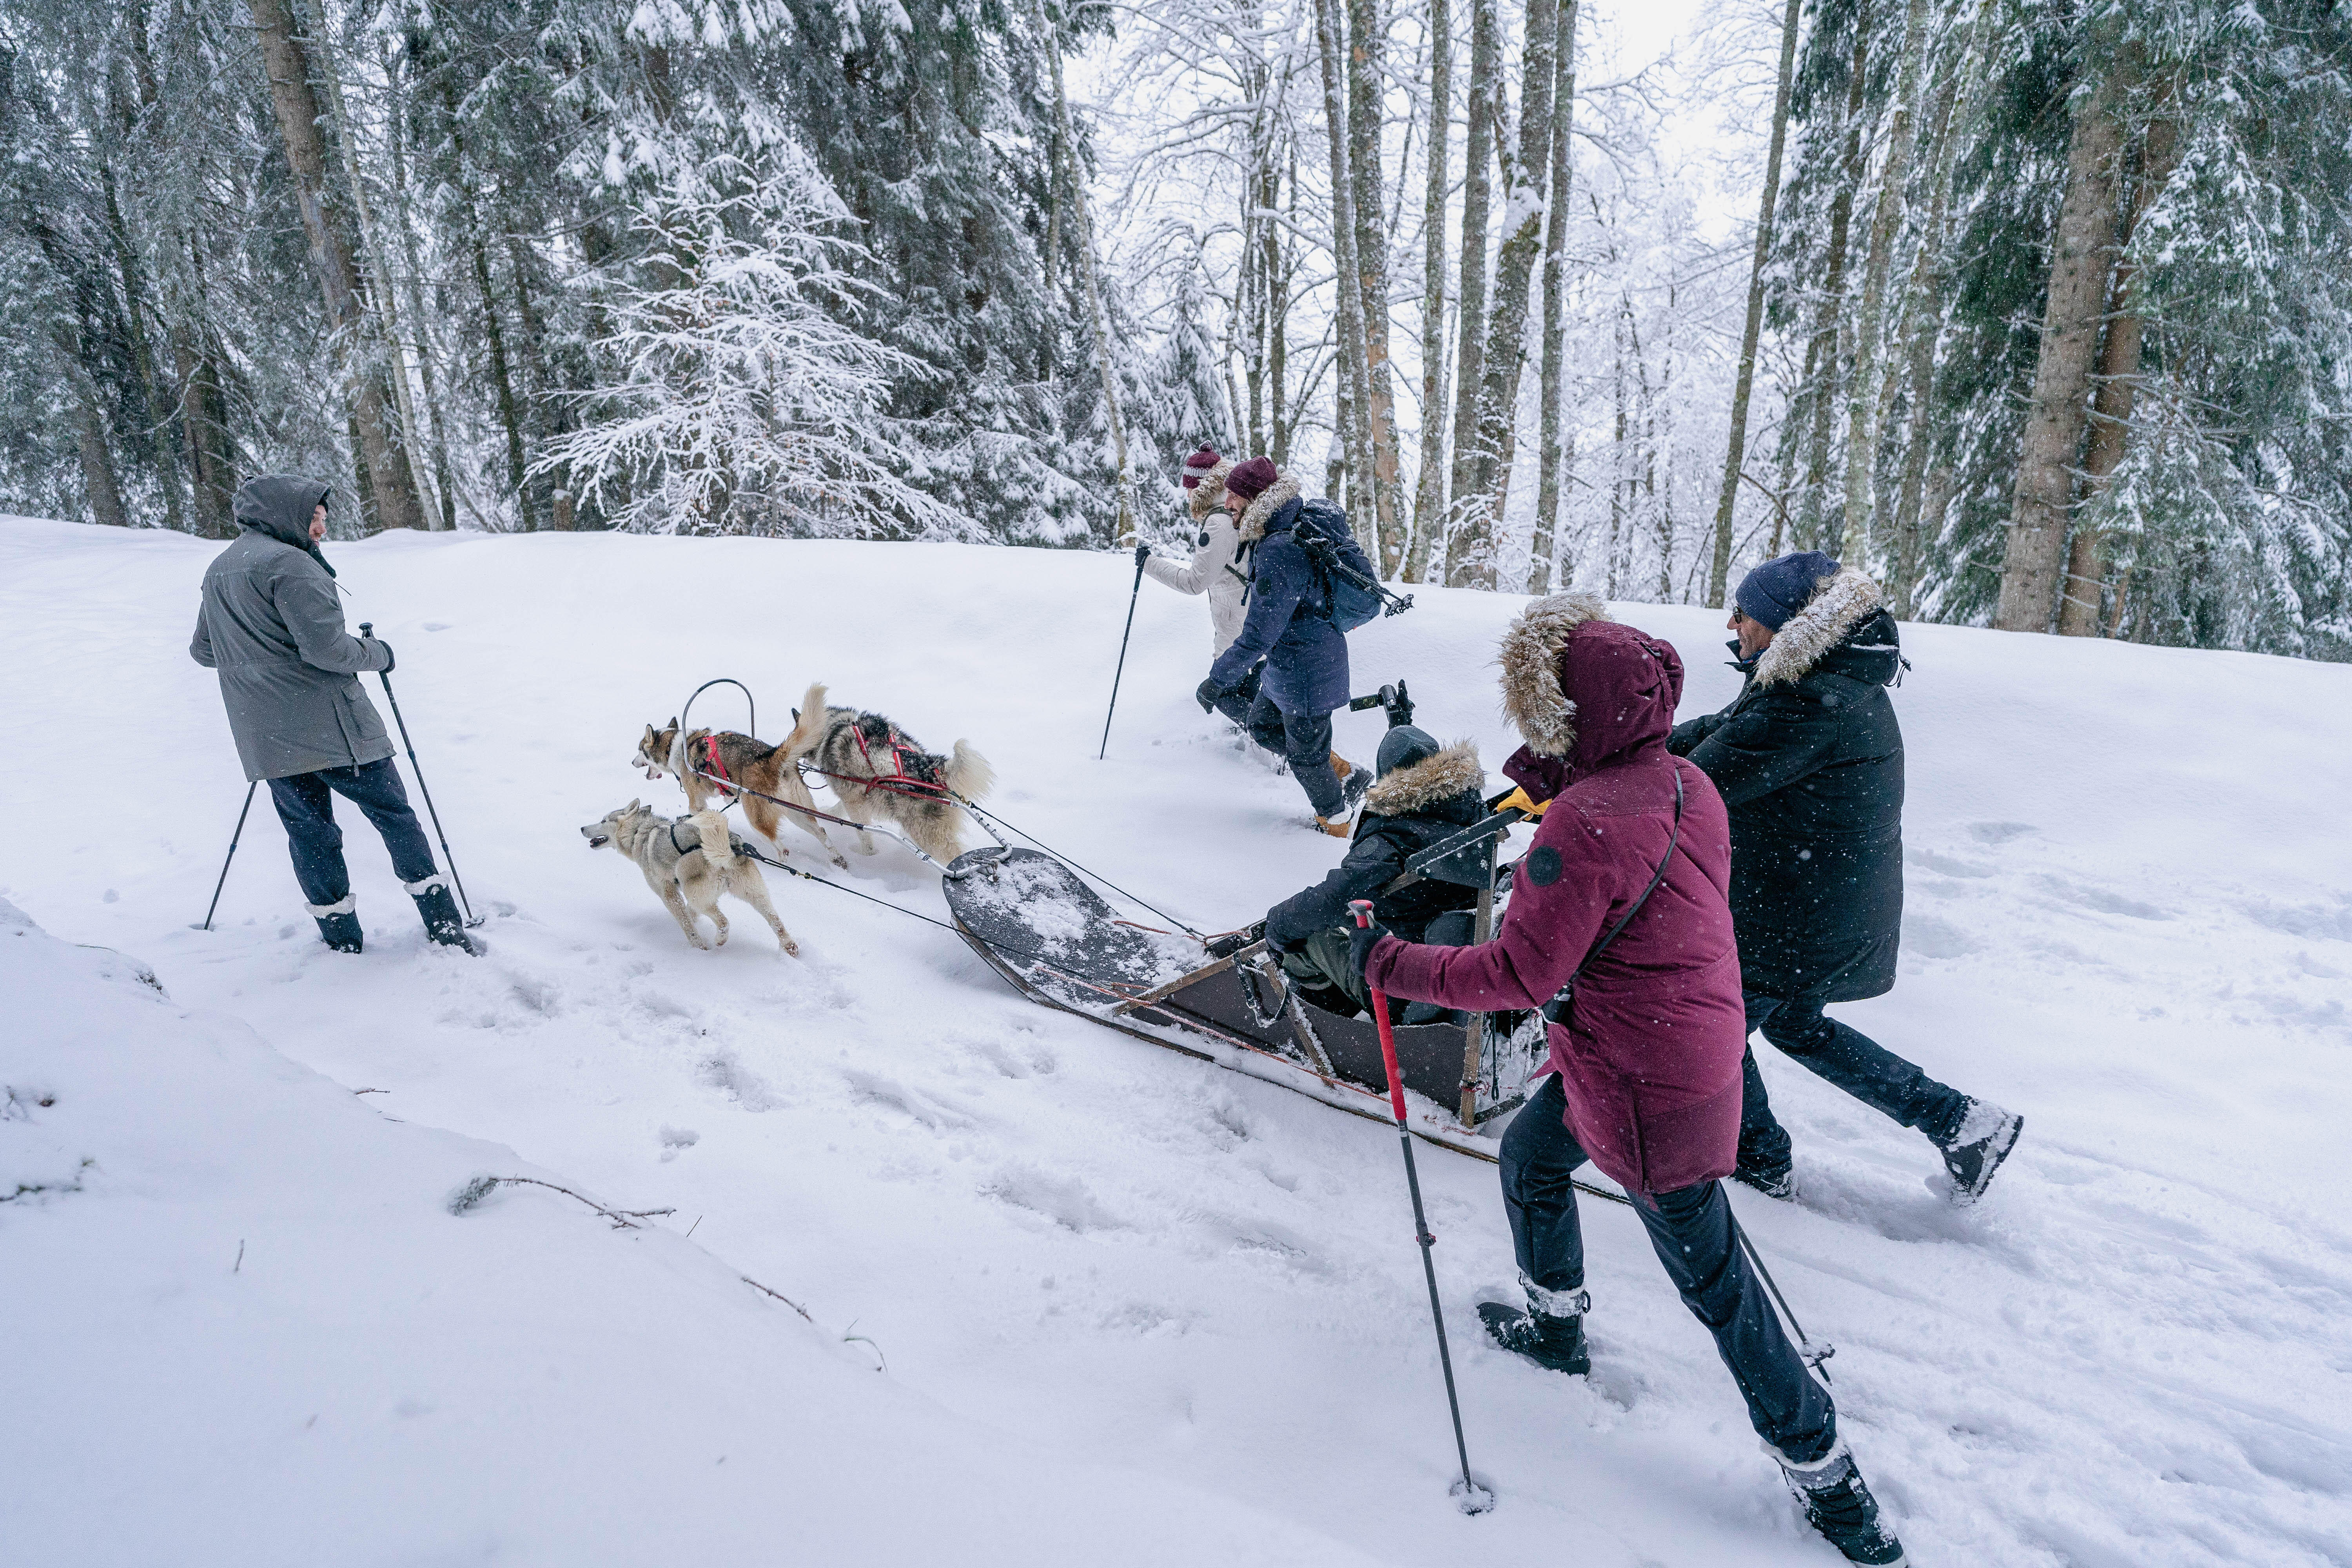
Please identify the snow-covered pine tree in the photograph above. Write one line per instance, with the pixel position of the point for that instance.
(736, 393)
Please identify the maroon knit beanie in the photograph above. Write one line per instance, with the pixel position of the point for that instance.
(1252, 479)
(1197, 467)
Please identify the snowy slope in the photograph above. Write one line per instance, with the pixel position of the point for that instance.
(248, 1328)
(2129, 917)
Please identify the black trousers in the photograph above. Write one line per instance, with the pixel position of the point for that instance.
(1846, 1057)
(1692, 1232)
(306, 805)
(1304, 741)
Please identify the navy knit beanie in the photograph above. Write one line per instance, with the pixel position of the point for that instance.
(1777, 589)
(1402, 746)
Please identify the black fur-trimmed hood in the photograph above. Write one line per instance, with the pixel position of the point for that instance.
(1838, 607)
(1531, 657)
(1284, 490)
(1436, 777)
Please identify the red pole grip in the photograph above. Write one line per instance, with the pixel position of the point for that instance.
(1362, 909)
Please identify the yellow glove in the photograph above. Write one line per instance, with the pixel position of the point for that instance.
(1518, 801)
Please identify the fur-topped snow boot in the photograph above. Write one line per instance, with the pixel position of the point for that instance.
(1838, 1503)
(439, 913)
(1986, 1136)
(1353, 781)
(1553, 1340)
(339, 927)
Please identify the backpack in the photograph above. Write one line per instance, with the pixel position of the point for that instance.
(1351, 584)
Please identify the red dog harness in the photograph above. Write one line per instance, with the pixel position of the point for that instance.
(714, 768)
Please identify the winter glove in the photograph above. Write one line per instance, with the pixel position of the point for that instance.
(1360, 944)
(375, 641)
(1279, 942)
(1517, 800)
(1207, 693)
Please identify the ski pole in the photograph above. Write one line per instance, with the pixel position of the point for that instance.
(1141, 552)
(367, 629)
(233, 837)
(1474, 1498)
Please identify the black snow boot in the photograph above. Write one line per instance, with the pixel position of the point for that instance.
(1986, 1136)
(1838, 1503)
(1552, 1340)
(1774, 1181)
(439, 913)
(339, 927)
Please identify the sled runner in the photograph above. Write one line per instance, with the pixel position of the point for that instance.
(1037, 923)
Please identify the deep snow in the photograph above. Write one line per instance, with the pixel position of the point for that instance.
(1131, 1306)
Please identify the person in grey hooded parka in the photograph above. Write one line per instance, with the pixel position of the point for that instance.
(272, 628)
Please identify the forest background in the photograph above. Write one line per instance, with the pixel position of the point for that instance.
(2036, 308)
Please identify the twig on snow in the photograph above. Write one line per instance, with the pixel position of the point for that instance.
(481, 1187)
(779, 1295)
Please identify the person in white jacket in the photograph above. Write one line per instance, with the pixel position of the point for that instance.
(1215, 568)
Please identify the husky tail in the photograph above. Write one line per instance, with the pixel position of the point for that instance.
(809, 726)
(968, 773)
(710, 833)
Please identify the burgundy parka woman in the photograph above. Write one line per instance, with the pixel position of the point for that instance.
(1650, 1058)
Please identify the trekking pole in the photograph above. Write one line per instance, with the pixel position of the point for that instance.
(1471, 1497)
(367, 629)
(233, 837)
(1141, 552)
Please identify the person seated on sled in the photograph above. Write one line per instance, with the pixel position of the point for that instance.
(1426, 793)
(1288, 627)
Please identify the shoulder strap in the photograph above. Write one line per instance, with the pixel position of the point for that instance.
(1557, 1009)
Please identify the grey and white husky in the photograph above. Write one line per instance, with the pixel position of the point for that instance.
(684, 874)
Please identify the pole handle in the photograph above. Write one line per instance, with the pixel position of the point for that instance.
(1362, 909)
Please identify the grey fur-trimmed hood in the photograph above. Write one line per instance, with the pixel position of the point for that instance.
(1838, 605)
(1438, 776)
(1276, 495)
(1529, 658)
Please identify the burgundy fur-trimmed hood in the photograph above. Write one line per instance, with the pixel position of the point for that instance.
(1284, 490)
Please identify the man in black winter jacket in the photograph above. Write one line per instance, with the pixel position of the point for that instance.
(1809, 757)
(1425, 793)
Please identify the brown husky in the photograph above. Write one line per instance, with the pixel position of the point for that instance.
(878, 773)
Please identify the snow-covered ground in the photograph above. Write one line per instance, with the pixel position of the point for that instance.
(1130, 1307)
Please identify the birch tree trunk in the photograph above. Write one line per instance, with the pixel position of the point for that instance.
(437, 417)
(1861, 383)
(1480, 506)
(2082, 261)
(1050, 39)
(1718, 575)
(98, 483)
(2116, 388)
(1429, 498)
(381, 455)
(1831, 315)
(1365, 27)
(1355, 418)
(1550, 452)
(385, 298)
(1923, 314)
(1470, 319)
